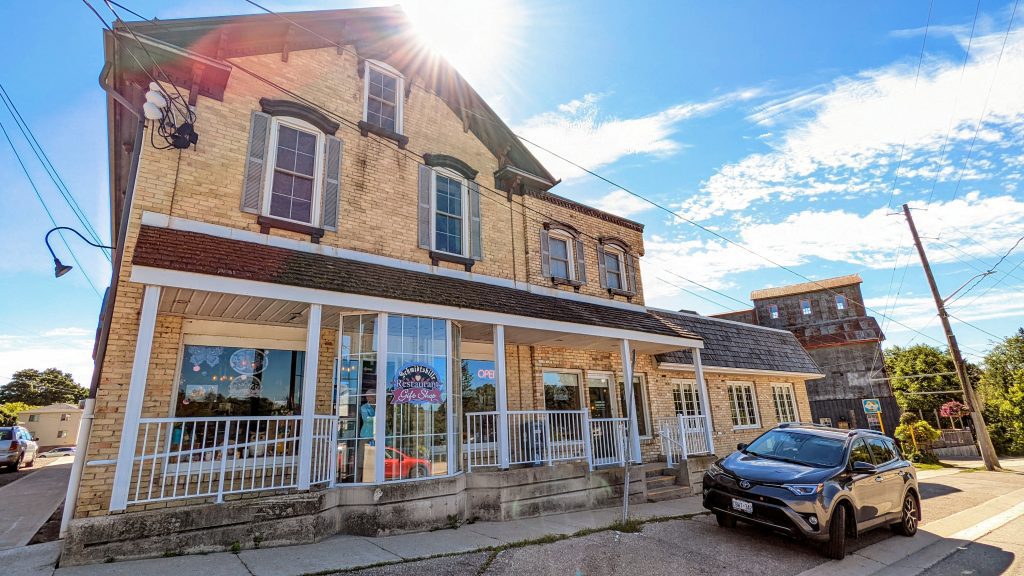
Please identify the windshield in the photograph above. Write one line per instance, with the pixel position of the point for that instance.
(800, 448)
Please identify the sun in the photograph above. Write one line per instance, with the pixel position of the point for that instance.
(478, 37)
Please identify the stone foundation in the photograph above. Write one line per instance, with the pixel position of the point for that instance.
(309, 517)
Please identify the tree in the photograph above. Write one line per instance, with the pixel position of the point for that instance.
(42, 388)
(9, 412)
(905, 364)
(1002, 394)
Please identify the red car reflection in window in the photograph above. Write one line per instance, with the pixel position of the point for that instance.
(399, 465)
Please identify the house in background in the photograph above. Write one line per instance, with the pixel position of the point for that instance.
(829, 320)
(55, 425)
(357, 307)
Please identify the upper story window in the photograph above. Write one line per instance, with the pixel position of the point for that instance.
(561, 255)
(65, 417)
(449, 212)
(616, 266)
(382, 97)
(773, 311)
(33, 417)
(293, 191)
(805, 307)
(840, 302)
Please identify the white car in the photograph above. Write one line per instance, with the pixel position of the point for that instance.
(58, 452)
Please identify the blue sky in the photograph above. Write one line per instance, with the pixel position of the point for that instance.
(777, 124)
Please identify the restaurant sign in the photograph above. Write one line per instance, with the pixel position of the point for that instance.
(417, 384)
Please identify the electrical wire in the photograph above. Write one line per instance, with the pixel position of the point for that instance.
(46, 208)
(984, 108)
(51, 171)
(695, 294)
(564, 159)
(903, 145)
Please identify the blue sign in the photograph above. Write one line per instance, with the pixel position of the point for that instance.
(872, 406)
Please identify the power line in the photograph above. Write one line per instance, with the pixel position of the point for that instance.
(903, 145)
(695, 294)
(984, 107)
(46, 208)
(51, 171)
(956, 99)
(564, 159)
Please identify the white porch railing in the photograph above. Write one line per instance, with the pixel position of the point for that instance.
(684, 436)
(203, 457)
(545, 437)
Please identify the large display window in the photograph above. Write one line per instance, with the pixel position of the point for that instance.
(237, 381)
(356, 397)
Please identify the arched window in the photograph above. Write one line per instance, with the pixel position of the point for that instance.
(562, 258)
(617, 267)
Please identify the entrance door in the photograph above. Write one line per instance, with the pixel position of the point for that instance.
(599, 395)
(607, 434)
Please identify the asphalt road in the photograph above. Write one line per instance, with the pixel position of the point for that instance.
(699, 546)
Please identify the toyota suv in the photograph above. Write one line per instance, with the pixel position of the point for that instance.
(814, 482)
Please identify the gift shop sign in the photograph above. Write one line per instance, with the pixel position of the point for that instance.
(417, 384)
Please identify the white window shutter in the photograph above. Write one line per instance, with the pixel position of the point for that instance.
(332, 184)
(426, 175)
(255, 161)
(545, 254)
(602, 268)
(581, 262)
(476, 245)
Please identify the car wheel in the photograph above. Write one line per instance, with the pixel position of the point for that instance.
(31, 462)
(725, 520)
(418, 472)
(835, 548)
(910, 518)
(21, 460)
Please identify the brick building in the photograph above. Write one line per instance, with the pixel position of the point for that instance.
(829, 320)
(357, 307)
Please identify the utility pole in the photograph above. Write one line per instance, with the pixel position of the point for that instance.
(988, 452)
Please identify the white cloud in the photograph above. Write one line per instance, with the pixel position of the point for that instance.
(621, 203)
(984, 227)
(918, 312)
(846, 136)
(577, 130)
(68, 349)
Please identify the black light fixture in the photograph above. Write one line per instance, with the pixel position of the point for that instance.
(59, 268)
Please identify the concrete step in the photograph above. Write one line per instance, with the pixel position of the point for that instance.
(668, 493)
(653, 469)
(655, 482)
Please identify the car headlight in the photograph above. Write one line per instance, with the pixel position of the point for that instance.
(714, 469)
(804, 489)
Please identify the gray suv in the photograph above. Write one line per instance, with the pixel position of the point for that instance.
(17, 447)
(823, 484)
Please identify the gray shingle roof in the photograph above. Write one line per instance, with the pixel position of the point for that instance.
(730, 344)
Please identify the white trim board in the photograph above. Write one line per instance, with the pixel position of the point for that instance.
(176, 279)
(675, 366)
(158, 220)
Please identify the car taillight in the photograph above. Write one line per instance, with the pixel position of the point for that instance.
(15, 446)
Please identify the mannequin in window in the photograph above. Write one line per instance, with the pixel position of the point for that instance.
(367, 413)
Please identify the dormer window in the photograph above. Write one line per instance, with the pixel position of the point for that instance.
(382, 97)
(294, 178)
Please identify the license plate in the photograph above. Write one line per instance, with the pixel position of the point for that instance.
(742, 506)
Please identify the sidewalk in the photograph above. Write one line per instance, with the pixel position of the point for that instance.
(348, 552)
(28, 502)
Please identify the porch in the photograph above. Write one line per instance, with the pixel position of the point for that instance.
(234, 423)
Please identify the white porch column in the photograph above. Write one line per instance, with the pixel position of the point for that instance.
(309, 381)
(501, 394)
(380, 412)
(627, 389)
(136, 394)
(705, 403)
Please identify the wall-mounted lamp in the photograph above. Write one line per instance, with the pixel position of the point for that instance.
(59, 268)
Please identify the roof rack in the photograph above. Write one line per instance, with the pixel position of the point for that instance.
(814, 424)
(866, 431)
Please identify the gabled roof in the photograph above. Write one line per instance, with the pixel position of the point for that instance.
(58, 407)
(729, 344)
(806, 287)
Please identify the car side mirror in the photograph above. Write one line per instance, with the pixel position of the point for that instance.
(742, 446)
(36, 439)
(863, 467)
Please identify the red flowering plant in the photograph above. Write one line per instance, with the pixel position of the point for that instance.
(953, 409)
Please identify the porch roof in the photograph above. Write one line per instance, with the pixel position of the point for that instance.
(741, 346)
(193, 252)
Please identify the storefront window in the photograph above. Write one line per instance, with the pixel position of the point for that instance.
(355, 401)
(230, 381)
(562, 391)
(417, 407)
(479, 386)
(599, 391)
